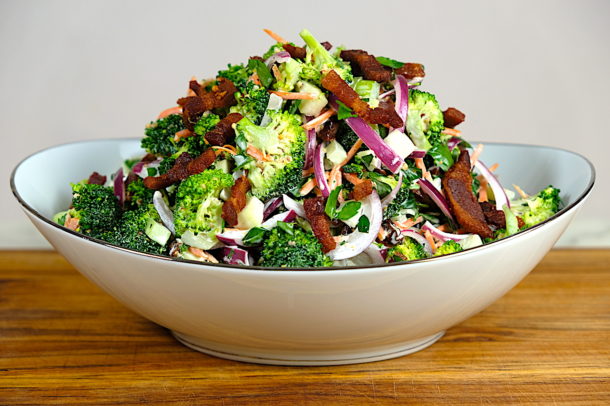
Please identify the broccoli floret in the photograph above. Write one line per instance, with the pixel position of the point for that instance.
(292, 247)
(407, 250)
(404, 199)
(198, 209)
(238, 74)
(346, 136)
(536, 209)
(282, 142)
(130, 231)
(159, 138)
(425, 120)
(95, 206)
(319, 60)
(165, 165)
(138, 194)
(354, 168)
(252, 101)
(448, 247)
(289, 75)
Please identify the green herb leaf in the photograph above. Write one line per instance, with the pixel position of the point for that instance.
(363, 224)
(264, 74)
(254, 236)
(331, 203)
(392, 63)
(349, 210)
(344, 111)
(288, 228)
(151, 171)
(441, 155)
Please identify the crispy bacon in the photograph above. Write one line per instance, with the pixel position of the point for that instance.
(348, 96)
(96, 179)
(294, 51)
(362, 189)
(328, 130)
(457, 185)
(411, 71)
(237, 201)
(492, 216)
(184, 167)
(223, 132)
(300, 52)
(453, 117)
(366, 65)
(222, 95)
(320, 223)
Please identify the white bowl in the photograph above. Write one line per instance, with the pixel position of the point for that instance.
(302, 317)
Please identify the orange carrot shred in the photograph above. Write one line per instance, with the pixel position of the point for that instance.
(308, 186)
(451, 131)
(294, 95)
(476, 153)
(274, 36)
(182, 134)
(169, 112)
(430, 240)
(494, 167)
(321, 119)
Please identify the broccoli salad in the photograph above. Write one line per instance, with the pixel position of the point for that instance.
(306, 156)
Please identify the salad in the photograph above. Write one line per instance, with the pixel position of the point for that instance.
(305, 156)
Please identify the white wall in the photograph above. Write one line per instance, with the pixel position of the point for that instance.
(523, 71)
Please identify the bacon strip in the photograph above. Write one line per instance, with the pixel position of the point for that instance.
(96, 179)
(348, 96)
(184, 167)
(362, 189)
(320, 223)
(223, 132)
(457, 185)
(366, 65)
(411, 71)
(453, 117)
(300, 52)
(237, 201)
(222, 95)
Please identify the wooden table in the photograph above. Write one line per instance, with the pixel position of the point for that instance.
(64, 341)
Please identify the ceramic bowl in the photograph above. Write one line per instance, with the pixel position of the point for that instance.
(302, 317)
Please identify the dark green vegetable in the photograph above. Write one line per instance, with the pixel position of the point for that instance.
(301, 249)
(392, 63)
(159, 138)
(96, 208)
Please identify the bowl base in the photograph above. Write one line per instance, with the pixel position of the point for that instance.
(306, 358)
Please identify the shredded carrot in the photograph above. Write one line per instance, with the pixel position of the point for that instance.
(274, 36)
(227, 148)
(452, 131)
(308, 186)
(419, 162)
(382, 234)
(521, 192)
(169, 112)
(294, 95)
(482, 189)
(494, 167)
(321, 119)
(334, 179)
(475, 154)
(182, 134)
(202, 254)
(443, 227)
(352, 151)
(254, 78)
(256, 153)
(353, 179)
(405, 225)
(430, 240)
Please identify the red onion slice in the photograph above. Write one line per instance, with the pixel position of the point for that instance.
(375, 254)
(318, 170)
(236, 256)
(420, 239)
(293, 205)
(428, 188)
(386, 94)
(441, 235)
(141, 168)
(418, 153)
(167, 217)
(372, 140)
(402, 99)
(357, 242)
(453, 142)
(392, 195)
(119, 186)
(496, 187)
(271, 206)
(279, 57)
(312, 142)
(286, 217)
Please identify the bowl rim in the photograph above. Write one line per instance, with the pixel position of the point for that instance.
(331, 269)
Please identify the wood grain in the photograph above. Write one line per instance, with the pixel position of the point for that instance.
(64, 341)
